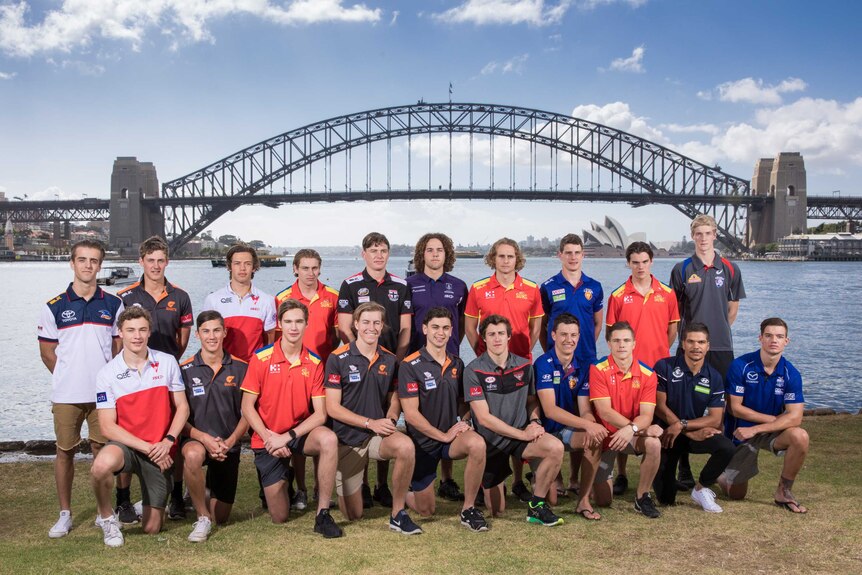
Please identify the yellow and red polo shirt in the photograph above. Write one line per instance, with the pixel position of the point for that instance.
(648, 314)
(627, 391)
(322, 314)
(519, 303)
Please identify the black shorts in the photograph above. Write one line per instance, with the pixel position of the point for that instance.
(425, 470)
(222, 476)
(274, 469)
(497, 462)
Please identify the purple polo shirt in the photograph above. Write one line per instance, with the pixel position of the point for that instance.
(448, 292)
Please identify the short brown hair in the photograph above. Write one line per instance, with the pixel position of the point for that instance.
(619, 326)
(134, 312)
(771, 322)
(306, 253)
(638, 248)
(92, 244)
(520, 260)
(153, 244)
(209, 315)
(242, 248)
(448, 247)
(373, 239)
(573, 239)
(290, 304)
(494, 319)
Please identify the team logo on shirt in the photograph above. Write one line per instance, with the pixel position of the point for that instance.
(454, 372)
(334, 379)
(155, 366)
(427, 375)
(230, 381)
(475, 391)
(408, 304)
(342, 303)
(659, 298)
(636, 383)
(779, 380)
(412, 387)
(719, 281)
(520, 295)
(326, 303)
(677, 372)
(519, 376)
(588, 294)
(573, 382)
(381, 369)
(172, 306)
(305, 372)
(101, 397)
(393, 295)
(105, 314)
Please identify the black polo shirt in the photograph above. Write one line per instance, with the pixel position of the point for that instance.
(689, 395)
(364, 387)
(392, 293)
(172, 311)
(215, 399)
(438, 388)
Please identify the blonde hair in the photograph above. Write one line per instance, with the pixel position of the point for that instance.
(520, 260)
(703, 220)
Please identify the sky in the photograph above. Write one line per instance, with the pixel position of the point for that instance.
(183, 83)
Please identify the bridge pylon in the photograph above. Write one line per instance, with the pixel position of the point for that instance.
(782, 180)
(133, 221)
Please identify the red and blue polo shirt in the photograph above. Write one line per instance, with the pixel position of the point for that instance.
(246, 318)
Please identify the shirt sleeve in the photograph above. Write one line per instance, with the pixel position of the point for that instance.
(317, 381)
(407, 301)
(716, 391)
(661, 375)
(175, 379)
(546, 302)
(332, 373)
(544, 374)
(793, 389)
(462, 305)
(345, 301)
(737, 289)
(648, 390)
(408, 383)
(115, 329)
(528, 373)
(735, 384)
(105, 398)
(584, 383)
(598, 387)
(598, 298)
(612, 313)
(472, 307)
(46, 330)
(209, 303)
(537, 309)
(672, 308)
(472, 388)
(677, 282)
(269, 322)
(251, 381)
(187, 318)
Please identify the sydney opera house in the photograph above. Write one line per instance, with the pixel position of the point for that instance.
(610, 239)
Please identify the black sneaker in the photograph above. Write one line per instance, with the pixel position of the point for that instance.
(621, 485)
(684, 479)
(382, 495)
(520, 491)
(542, 515)
(473, 520)
(126, 513)
(403, 524)
(326, 525)
(367, 500)
(646, 506)
(176, 509)
(480, 498)
(450, 491)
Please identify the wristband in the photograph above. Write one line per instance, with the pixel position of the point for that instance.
(366, 423)
(171, 438)
(536, 420)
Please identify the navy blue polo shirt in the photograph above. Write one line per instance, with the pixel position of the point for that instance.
(426, 293)
(689, 395)
(568, 385)
(582, 301)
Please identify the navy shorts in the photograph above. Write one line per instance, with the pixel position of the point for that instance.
(497, 463)
(275, 469)
(425, 470)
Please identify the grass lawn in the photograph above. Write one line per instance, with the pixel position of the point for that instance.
(751, 536)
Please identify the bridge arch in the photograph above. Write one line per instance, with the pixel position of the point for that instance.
(194, 201)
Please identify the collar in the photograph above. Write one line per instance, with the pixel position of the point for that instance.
(758, 363)
(494, 283)
(296, 292)
(717, 262)
(367, 277)
(562, 279)
(653, 286)
(427, 279)
(168, 287)
(557, 363)
(199, 359)
(617, 369)
(70, 293)
(354, 350)
(251, 292)
(426, 356)
(680, 362)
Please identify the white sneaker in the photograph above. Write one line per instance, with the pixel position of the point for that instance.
(113, 537)
(201, 530)
(139, 508)
(705, 497)
(62, 527)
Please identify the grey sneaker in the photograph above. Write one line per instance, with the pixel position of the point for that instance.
(126, 513)
(299, 501)
(645, 505)
(403, 524)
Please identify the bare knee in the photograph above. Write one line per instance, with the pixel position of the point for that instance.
(799, 438)
(476, 449)
(652, 446)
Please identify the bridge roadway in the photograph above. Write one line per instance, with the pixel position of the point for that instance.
(97, 209)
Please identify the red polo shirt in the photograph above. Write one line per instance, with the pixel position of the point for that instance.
(322, 313)
(627, 391)
(519, 303)
(649, 315)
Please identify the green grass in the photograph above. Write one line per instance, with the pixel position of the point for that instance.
(751, 536)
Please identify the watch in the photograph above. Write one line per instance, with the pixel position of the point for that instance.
(292, 434)
(171, 438)
(634, 427)
(684, 423)
(536, 420)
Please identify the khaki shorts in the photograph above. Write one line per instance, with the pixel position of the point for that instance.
(68, 420)
(606, 464)
(743, 465)
(155, 484)
(351, 464)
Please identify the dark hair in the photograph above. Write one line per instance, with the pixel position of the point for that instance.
(92, 244)
(619, 326)
(448, 247)
(695, 327)
(243, 249)
(773, 321)
(209, 315)
(306, 253)
(153, 244)
(520, 260)
(567, 239)
(494, 319)
(638, 248)
(290, 304)
(373, 239)
(437, 313)
(134, 312)
(566, 318)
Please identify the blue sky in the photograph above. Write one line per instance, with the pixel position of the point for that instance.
(183, 83)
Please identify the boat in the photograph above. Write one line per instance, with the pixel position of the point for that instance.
(266, 261)
(113, 275)
(469, 254)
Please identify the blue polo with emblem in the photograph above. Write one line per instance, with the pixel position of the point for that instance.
(689, 395)
(426, 293)
(568, 385)
(582, 301)
(763, 393)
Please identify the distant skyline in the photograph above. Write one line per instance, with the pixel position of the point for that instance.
(182, 83)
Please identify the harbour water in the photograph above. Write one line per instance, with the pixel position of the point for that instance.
(820, 301)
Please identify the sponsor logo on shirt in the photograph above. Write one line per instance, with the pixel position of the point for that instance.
(195, 380)
(489, 294)
(157, 377)
(415, 361)
(354, 279)
(588, 294)
(412, 387)
(779, 391)
(475, 391)
(751, 376)
(364, 299)
(125, 375)
(353, 368)
(490, 379)
(740, 389)
(101, 397)
(628, 299)
(275, 368)
(659, 298)
(408, 304)
(67, 315)
(354, 377)
(430, 384)
(558, 291)
(559, 297)
(362, 291)
(186, 318)
(197, 390)
(427, 375)
(227, 300)
(790, 396)
(393, 295)
(334, 379)
(342, 303)
(546, 377)
(694, 279)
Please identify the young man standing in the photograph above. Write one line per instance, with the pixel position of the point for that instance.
(433, 286)
(359, 386)
(623, 394)
(215, 427)
(375, 284)
(501, 393)
(691, 406)
(284, 404)
(142, 410)
(77, 331)
(650, 308)
(765, 393)
(171, 313)
(431, 394)
(564, 394)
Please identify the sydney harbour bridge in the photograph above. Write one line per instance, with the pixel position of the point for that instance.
(445, 151)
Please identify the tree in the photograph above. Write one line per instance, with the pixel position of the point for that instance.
(228, 239)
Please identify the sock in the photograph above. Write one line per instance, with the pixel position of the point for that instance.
(177, 492)
(123, 495)
(65, 512)
(535, 501)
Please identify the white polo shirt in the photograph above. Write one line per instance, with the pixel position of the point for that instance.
(246, 318)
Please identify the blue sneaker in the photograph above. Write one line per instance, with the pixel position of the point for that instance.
(403, 524)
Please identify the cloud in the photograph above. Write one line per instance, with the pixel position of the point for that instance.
(394, 18)
(694, 128)
(83, 68)
(482, 12)
(7, 75)
(753, 91)
(512, 65)
(633, 63)
(77, 24)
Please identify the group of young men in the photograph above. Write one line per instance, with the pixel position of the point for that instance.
(315, 372)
